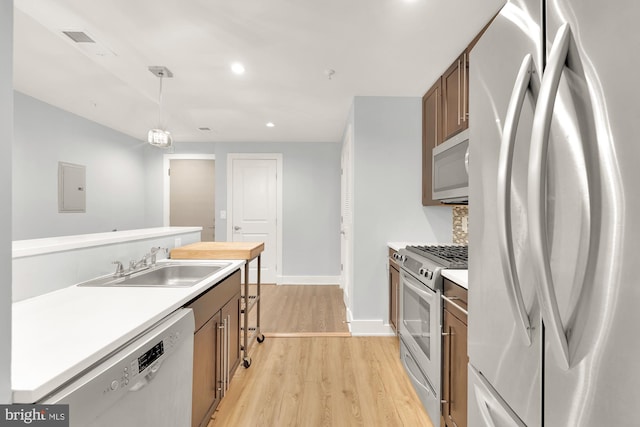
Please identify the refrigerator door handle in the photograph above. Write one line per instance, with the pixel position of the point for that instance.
(491, 406)
(525, 80)
(536, 182)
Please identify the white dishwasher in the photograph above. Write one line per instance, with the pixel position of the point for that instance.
(147, 382)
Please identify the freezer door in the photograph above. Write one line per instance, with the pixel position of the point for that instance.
(591, 203)
(486, 407)
(504, 334)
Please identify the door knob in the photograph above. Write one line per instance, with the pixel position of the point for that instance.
(236, 228)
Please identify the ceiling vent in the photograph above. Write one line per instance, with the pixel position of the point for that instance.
(79, 36)
(87, 44)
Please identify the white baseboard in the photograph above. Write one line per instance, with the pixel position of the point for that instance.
(349, 314)
(368, 327)
(308, 280)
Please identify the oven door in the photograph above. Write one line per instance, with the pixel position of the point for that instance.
(421, 384)
(420, 326)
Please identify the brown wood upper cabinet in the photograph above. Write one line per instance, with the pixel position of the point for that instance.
(455, 97)
(445, 112)
(431, 136)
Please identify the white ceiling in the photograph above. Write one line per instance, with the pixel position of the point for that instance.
(376, 47)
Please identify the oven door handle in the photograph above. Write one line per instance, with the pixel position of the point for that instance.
(408, 279)
(524, 81)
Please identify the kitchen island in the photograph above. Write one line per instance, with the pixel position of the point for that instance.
(247, 251)
(58, 335)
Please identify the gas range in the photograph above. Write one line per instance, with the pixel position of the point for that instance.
(448, 256)
(426, 262)
(421, 312)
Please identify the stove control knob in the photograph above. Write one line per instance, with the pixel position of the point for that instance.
(423, 272)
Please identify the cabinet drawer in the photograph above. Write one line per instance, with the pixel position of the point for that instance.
(458, 295)
(209, 303)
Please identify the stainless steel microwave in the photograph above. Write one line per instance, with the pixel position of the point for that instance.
(450, 169)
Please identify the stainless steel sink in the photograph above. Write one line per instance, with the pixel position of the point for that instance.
(162, 275)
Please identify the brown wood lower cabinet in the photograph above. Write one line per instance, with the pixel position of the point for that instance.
(216, 351)
(454, 357)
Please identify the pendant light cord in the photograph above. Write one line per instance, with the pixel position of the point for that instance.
(160, 103)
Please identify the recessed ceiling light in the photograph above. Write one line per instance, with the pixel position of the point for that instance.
(237, 68)
(270, 125)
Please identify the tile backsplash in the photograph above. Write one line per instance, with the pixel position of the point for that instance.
(460, 225)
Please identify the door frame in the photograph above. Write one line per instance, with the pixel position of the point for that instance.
(166, 164)
(279, 179)
(346, 223)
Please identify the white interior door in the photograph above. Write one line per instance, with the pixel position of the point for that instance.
(254, 209)
(346, 218)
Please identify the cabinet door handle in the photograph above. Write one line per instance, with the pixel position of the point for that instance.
(450, 301)
(220, 344)
(458, 92)
(435, 137)
(227, 353)
(464, 88)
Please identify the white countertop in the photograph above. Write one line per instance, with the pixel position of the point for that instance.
(22, 248)
(58, 335)
(396, 246)
(461, 277)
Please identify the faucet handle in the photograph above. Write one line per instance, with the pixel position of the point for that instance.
(155, 250)
(119, 268)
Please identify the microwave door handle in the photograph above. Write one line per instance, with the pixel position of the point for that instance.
(524, 81)
(536, 189)
(466, 161)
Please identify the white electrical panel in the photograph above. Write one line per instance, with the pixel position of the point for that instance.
(71, 187)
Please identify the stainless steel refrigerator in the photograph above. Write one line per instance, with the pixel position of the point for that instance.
(554, 206)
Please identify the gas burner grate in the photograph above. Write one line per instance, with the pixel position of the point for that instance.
(449, 256)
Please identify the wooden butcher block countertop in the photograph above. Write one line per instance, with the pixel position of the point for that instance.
(218, 250)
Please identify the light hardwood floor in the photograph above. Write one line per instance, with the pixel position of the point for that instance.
(298, 310)
(311, 378)
(322, 381)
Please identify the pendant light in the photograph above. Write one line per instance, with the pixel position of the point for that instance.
(160, 137)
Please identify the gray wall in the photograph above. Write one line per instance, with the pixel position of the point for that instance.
(387, 204)
(115, 166)
(311, 199)
(6, 136)
(125, 190)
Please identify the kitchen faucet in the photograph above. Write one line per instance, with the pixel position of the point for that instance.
(147, 261)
